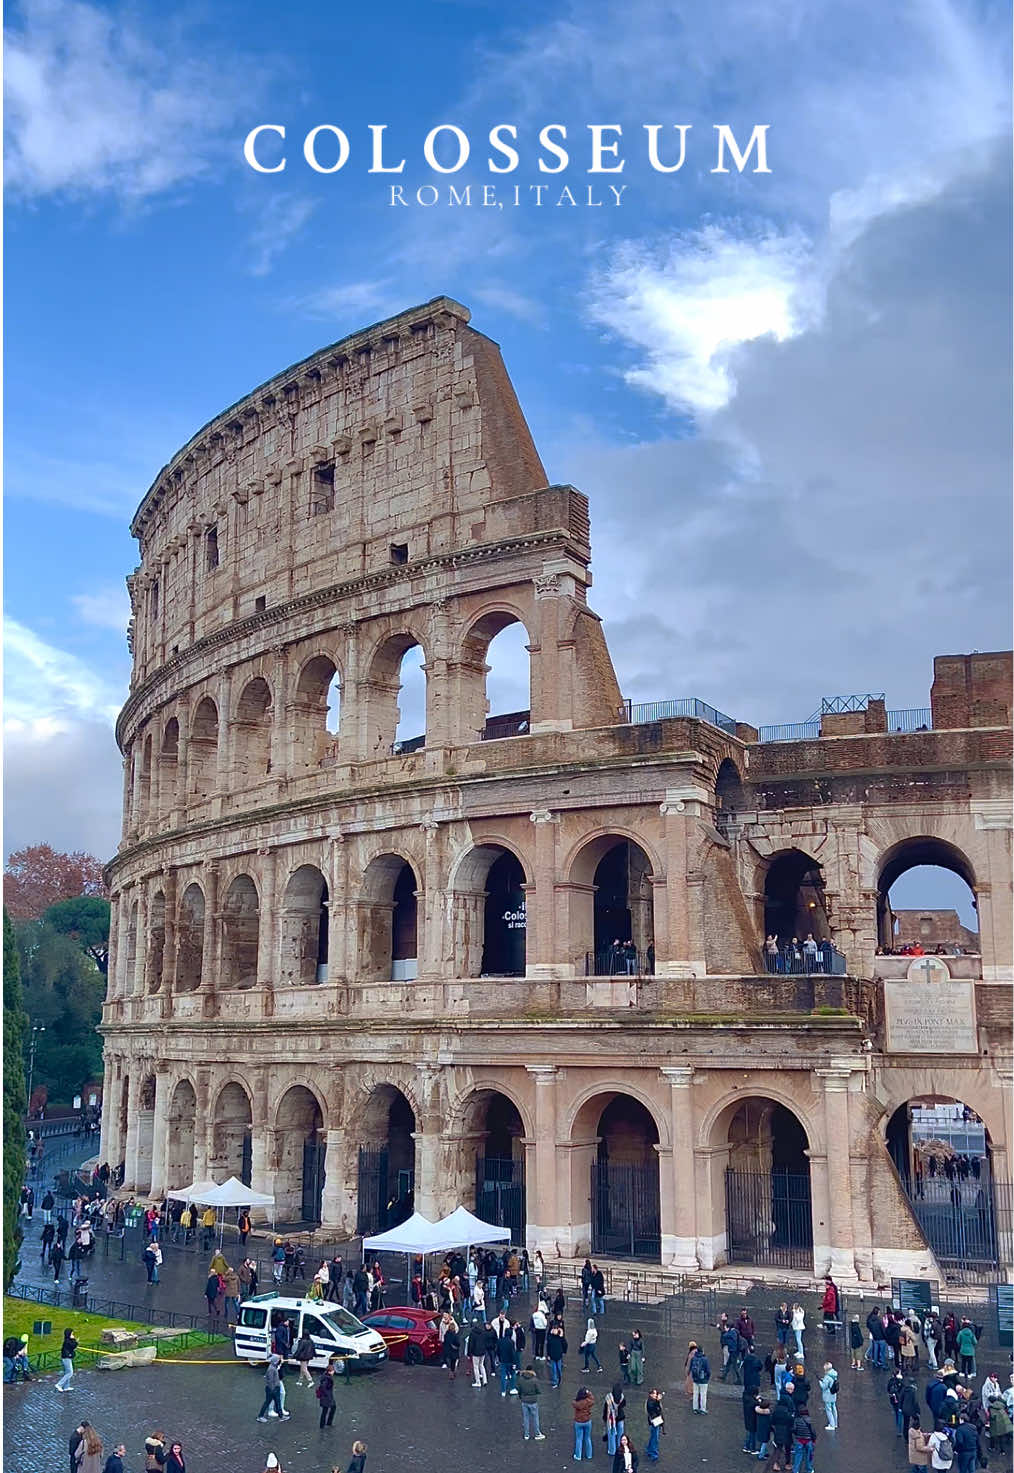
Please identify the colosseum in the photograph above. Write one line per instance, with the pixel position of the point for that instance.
(520, 960)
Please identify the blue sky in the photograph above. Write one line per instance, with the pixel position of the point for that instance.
(786, 394)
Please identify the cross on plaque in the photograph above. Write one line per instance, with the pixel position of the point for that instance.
(927, 969)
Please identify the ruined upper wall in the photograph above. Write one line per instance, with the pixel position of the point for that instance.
(402, 442)
(972, 690)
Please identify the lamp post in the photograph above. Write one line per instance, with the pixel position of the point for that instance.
(36, 1029)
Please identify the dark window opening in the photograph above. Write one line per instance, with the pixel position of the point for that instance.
(154, 600)
(322, 491)
(211, 549)
(399, 552)
(260, 603)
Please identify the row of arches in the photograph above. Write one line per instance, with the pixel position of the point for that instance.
(170, 767)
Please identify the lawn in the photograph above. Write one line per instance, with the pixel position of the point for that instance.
(21, 1314)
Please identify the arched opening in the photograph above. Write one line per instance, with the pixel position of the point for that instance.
(625, 1197)
(130, 959)
(168, 765)
(241, 929)
(123, 1117)
(944, 1156)
(768, 1212)
(926, 900)
(145, 1133)
(386, 1172)
(730, 799)
(396, 698)
(389, 930)
(202, 752)
(494, 1123)
(316, 712)
(156, 941)
(252, 733)
(615, 908)
(145, 812)
(300, 1146)
(182, 1128)
(490, 917)
(232, 1152)
(795, 906)
(304, 928)
(496, 690)
(190, 940)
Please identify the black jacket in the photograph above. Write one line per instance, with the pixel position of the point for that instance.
(801, 1391)
(751, 1368)
(966, 1439)
(783, 1414)
(619, 1465)
(556, 1346)
(909, 1401)
(114, 1464)
(875, 1325)
(802, 1430)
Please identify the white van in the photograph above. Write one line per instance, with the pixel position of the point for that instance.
(336, 1334)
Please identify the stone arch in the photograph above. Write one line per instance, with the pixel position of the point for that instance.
(388, 931)
(231, 1133)
(240, 933)
(144, 814)
(130, 958)
(252, 732)
(460, 1115)
(730, 797)
(156, 941)
(489, 914)
(190, 940)
(919, 851)
(381, 693)
(315, 710)
(616, 1136)
(168, 765)
(202, 750)
(610, 877)
(794, 900)
(488, 708)
(304, 928)
(299, 1155)
(181, 1135)
(492, 1158)
(386, 1124)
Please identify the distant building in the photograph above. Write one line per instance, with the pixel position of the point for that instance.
(933, 928)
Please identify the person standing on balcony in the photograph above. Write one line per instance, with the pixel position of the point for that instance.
(771, 953)
(811, 953)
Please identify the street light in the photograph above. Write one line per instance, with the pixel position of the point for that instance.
(36, 1028)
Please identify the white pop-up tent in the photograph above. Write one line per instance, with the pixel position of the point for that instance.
(231, 1193)
(414, 1235)
(197, 1191)
(462, 1229)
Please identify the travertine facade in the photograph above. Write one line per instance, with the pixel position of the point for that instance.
(344, 967)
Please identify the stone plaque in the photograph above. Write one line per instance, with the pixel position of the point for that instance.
(929, 969)
(930, 1018)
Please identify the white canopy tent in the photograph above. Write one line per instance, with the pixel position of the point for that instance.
(414, 1235)
(462, 1229)
(231, 1193)
(197, 1191)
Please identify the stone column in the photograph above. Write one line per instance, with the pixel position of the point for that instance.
(110, 1144)
(337, 916)
(676, 952)
(212, 925)
(267, 943)
(542, 948)
(430, 909)
(203, 1127)
(679, 1242)
(839, 1176)
(338, 1209)
(133, 1121)
(141, 942)
(541, 1194)
(263, 1146)
(112, 992)
(281, 754)
(226, 743)
(427, 1137)
(160, 1137)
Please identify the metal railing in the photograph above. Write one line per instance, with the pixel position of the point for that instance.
(517, 723)
(795, 961)
(642, 711)
(410, 744)
(920, 718)
(836, 705)
(793, 731)
(608, 963)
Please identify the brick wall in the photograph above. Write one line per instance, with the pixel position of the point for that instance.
(972, 690)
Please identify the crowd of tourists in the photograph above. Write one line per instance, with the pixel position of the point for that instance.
(161, 1454)
(795, 956)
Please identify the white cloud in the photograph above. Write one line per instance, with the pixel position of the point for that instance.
(353, 302)
(62, 787)
(47, 689)
(94, 104)
(281, 221)
(108, 608)
(504, 298)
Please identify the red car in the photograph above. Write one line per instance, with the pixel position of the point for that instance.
(410, 1334)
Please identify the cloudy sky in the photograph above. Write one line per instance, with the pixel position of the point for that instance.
(786, 394)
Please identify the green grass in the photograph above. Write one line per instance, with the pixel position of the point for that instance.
(21, 1314)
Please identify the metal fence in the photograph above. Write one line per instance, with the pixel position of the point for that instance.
(515, 723)
(769, 1218)
(607, 963)
(641, 711)
(794, 961)
(793, 731)
(920, 718)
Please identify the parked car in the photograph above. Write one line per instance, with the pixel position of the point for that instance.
(336, 1334)
(410, 1334)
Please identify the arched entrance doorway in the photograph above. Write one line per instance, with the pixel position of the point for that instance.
(794, 901)
(386, 1171)
(489, 914)
(389, 921)
(926, 899)
(944, 1157)
(493, 1121)
(625, 1198)
(768, 1212)
(182, 1126)
(232, 1147)
(612, 909)
(241, 930)
(304, 928)
(299, 1177)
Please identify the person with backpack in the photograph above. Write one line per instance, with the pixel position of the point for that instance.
(804, 1439)
(895, 1386)
(730, 1349)
(856, 1343)
(700, 1375)
(941, 1448)
(828, 1384)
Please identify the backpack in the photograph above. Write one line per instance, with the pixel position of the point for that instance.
(945, 1451)
(832, 1389)
(699, 1369)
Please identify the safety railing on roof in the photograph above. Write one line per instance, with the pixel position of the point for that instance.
(641, 711)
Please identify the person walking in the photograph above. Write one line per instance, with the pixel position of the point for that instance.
(700, 1375)
(583, 1404)
(856, 1343)
(656, 1421)
(273, 1390)
(303, 1353)
(529, 1392)
(475, 1349)
(967, 1345)
(47, 1204)
(230, 1278)
(587, 1347)
(804, 1440)
(614, 1414)
(556, 1349)
(828, 1384)
(730, 1352)
(625, 1457)
(357, 1462)
(325, 1395)
(636, 1358)
(211, 1292)
(539, 1324)
(89, 1451)
(798, 1326)
(452, 1349)
(68, 1350)
(598, 1290)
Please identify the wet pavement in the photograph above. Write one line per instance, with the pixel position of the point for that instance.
(412, 1417)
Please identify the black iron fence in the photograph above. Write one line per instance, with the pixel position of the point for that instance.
(500, 1193)
(768, 1218)
(969, 1225)
(618, 962)
(797, 961)
(637, 712)
(626, 1213)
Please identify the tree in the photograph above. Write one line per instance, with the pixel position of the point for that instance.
(63, 990)
(85, 919)
(38, 876)
(15, 1103)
